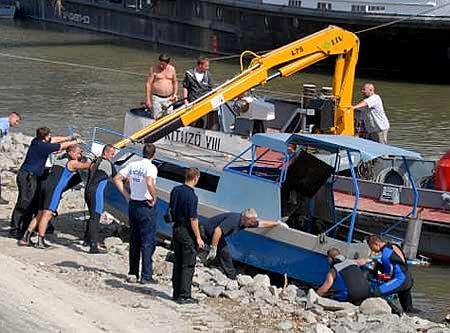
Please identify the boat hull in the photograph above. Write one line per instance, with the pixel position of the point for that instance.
(299, 255)
(258, 27)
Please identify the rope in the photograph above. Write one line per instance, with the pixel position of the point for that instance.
(383, 25)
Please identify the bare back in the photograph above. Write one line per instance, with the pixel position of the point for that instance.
(162, 80)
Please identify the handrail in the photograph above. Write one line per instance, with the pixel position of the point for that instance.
(356, 204)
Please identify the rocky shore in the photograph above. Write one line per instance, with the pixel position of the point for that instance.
(81, 292)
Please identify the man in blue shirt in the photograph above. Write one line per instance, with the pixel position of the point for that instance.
(29, 175)
(218, 227)
(12, 120)
(186, 236)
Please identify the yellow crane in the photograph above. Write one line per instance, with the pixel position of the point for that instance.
(284, 61)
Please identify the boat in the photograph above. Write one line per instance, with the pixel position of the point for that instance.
(268, 181)
(419, 35)
(7, 11)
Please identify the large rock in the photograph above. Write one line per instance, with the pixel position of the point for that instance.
(262, 280)
(373, 306)
(201, 278)
(212, 291)
(110, 242)
(309, 317)
(290, 293)
(285, 325)
(317, 328)
(219, 278)
(232, 285)
(244, 280)
(313, 300)
(331, 305)
(233, 294)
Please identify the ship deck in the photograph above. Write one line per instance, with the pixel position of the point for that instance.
(373, 206)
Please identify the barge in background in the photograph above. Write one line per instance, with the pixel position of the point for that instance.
(416, 47)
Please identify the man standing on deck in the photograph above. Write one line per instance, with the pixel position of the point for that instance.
(30, 173)
(186, 236)
(141, 175)
(218, 227)
(12, 120)
(161, 87)
(198, 82)
(376, 121)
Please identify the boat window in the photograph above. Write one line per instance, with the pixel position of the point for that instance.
(295, 3)
(196, 9)
(175, 173)
(324, 5)
(219, 12)
(359, 8)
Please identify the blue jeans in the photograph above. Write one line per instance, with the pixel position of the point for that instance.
(142, 239)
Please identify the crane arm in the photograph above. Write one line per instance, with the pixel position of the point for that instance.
(284, 61)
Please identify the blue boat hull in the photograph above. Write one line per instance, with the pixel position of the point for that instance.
(246, 247)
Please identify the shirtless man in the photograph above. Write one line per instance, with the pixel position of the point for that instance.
(161, 87)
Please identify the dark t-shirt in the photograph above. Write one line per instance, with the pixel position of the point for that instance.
(227, 222)
(37, 155)
(183, 202)
(197, 89)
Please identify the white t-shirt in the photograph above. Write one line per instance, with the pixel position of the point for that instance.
(137, 173)
(199, 76)
(376, 119)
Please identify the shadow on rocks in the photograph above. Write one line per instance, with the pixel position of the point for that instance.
(136, 288)
(73, 264)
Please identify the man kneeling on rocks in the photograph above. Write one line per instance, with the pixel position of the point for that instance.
(63, 176)
(218, 227)
(353, 286)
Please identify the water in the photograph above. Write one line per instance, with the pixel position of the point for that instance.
(58, 95)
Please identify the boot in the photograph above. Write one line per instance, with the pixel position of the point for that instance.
(94, 249)
(26, 239)
(40, 244)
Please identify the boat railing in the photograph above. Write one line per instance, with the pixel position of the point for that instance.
(265, 169)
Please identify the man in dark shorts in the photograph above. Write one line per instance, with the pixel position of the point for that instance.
(99, 173)
(29, 176)
(63, 175)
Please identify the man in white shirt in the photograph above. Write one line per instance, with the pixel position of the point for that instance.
(376, 122)
(141, 176)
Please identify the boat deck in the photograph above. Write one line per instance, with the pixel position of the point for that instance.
(369, 205)
(195, 156)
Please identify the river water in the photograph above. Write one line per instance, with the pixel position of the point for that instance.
(40, 77)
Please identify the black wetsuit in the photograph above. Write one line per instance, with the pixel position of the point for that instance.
(356, 286)
(401, 282)
(98, 177)
(58, 181)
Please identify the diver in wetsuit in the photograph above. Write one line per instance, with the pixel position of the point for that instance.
(99, 173)
(394, 264)
(63, 176)
(347, 273)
